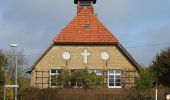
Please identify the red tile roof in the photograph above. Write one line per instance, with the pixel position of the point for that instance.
(76, 33)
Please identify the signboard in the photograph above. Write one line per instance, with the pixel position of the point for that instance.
(11, 86)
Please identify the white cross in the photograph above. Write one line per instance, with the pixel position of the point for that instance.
(85, 54)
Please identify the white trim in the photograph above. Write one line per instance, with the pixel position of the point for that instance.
(7, 86)
(115, 87)
(53, 74)
(113, 74)
(95, 71)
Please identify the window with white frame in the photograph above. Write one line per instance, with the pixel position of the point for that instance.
(114, 78)
(96, 71)
(75, 81)
(53, 75)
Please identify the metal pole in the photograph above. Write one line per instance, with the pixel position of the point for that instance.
(16, 75)
(156, 95)
(4, 93)
(16, 65)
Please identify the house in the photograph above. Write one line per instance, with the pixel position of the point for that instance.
(85, 43)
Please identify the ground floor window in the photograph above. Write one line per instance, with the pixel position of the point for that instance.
(114, 78)
(75, 82)
(53, 75)
(96, 71)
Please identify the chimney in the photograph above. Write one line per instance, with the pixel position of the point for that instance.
(84, 3)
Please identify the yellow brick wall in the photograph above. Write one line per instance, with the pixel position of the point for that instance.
(53, 59)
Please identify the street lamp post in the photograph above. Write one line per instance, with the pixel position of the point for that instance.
(16, 65)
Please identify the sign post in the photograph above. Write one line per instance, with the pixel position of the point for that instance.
(9, 86)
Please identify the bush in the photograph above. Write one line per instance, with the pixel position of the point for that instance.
(63, 78)
(90, 94)
(29, 93)
(145, 79)
(34, 93)
(83, 79)
(86, 79)
(48, 94)
(140, 94)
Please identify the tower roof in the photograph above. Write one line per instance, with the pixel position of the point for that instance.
(85, 28)
(76, 1)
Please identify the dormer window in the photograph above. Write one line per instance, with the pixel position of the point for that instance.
(85, 3)
(87, 26)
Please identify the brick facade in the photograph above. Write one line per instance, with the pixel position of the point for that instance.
(53, 60)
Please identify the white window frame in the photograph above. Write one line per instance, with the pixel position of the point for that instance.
(52, 74)
(76, 84)
(95, 71)
(115, 74)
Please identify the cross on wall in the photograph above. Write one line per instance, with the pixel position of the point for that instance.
(85, 54)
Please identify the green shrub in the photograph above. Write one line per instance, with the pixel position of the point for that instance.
(29, 93)
(83, 78)
(139, 94)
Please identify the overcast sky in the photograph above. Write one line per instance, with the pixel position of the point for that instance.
(142, 26)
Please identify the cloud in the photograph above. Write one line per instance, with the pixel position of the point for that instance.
(34, 23)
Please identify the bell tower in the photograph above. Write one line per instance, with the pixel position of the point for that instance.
(84, 3)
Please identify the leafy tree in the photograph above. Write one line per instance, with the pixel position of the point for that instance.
(4, 78)
(23, 83)
(7, 72)
(161, 67)
(3, 62)
(63, 78)
(21, 63)
(82, 78)
(9, 91)
(86, 79)
(145, 79)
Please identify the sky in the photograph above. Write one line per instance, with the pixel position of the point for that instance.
(141, 26)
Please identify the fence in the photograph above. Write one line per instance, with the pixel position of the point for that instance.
(91, 94)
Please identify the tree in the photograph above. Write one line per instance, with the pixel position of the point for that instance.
(9, 91)
(144, 82)
(23, 83)
(7, 72)
(3, 62)
(145, 79)
(89, 80)
(83, 78)
(63, 78)
(21, 63)
(4, 78)
(161, 67)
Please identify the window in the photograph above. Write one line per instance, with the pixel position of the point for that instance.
(87, 26)
(75, 83)
(85, 3)
(96, 71)
(53, 75)
(114, 78)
